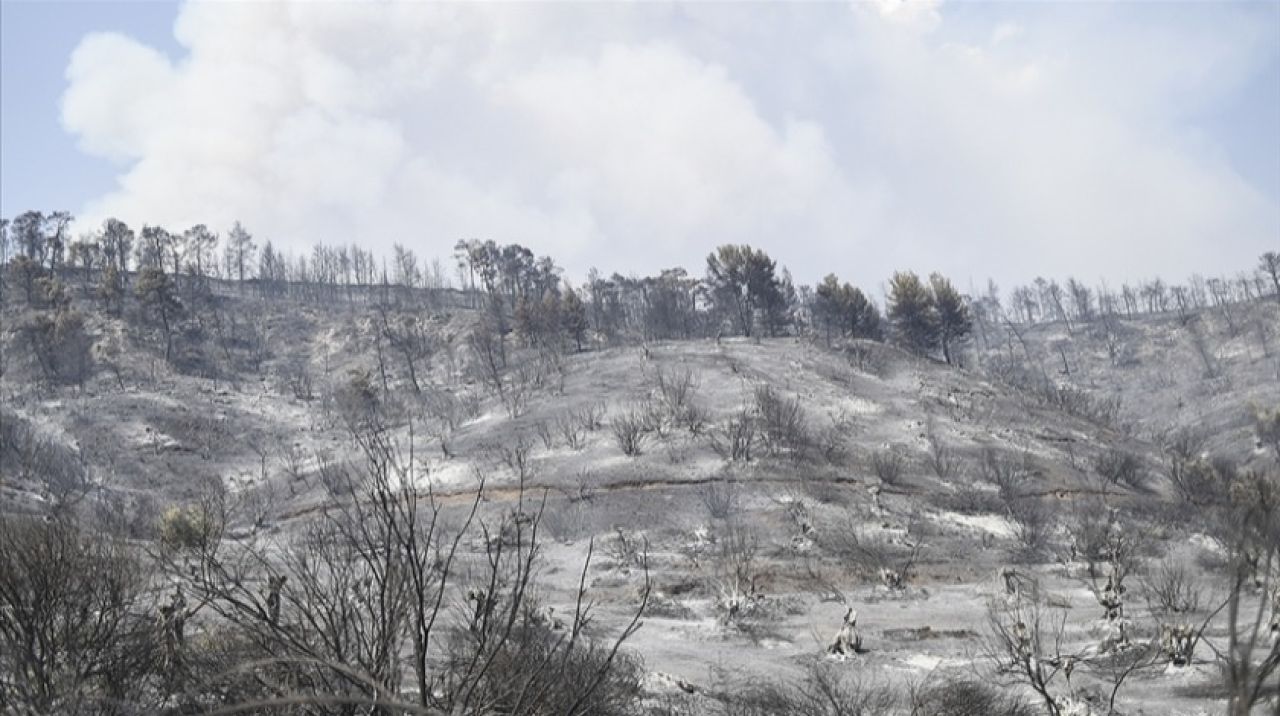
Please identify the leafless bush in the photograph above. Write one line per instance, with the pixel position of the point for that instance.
(335, 475)
(1118, 339)
(734, 571)
(630, 430)
(1209, 361)
(293, 459)
(1265, 333)
(965, 698)
(888, 465)
(1091, 526)
(1121, 467)
(566, 522)
(1192, 476)
(694, 418)
(1032, 524)
(373, 581)
(1184, 444)
(521, 383)
(825, 691)
(625, 550)
(552, 370)
(584, 488)
(1024, 647)
(513, 383)
(75, 636)
(868, 358)
(257, 503)
(135, 517)
(783, 425)
(676, 388)
(297, 378)
(589, 417)
(1170, 588)
(733, 439)
(543, 429)
(571, 431)
(1103, 411)
(720, 497)
(359, 404)
(450, 407)
(890, 560)
(943, 460)
(1007, 472)
(968, 498)
(1266, 426)
(1248, 514)
(655, 417)
(677, 453)
(832, 441)
(665, 606)
(823, 488)
(28, 455)
(555, 667)
(514, 453)
(1117, 664)
(255, 338)
(1198, 481)
(1100, 536)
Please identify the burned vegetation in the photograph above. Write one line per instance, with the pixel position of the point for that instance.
(235, 479)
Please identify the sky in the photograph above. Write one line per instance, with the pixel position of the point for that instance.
(984, 140)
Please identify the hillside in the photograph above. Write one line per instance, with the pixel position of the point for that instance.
(774, 483)
(1166, 372)
(165, 431)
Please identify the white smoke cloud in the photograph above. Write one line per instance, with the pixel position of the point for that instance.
(638, 137)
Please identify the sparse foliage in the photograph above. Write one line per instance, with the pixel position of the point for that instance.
(74, 637)
(825, 690)
(29, 457)
(887, 558)
(733, 439)
(888, 465)
(1171, 588)
(965, 698)
(1121, 467)
(720, 498)
(784, 427)
(1266, 426)
(1032, 524)
(630, 431)
(942, 458)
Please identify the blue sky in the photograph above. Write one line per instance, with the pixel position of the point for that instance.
(981, 139)
(42, 167)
